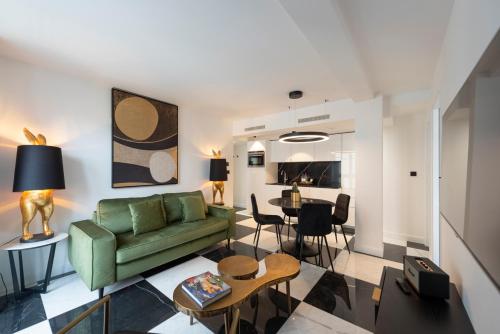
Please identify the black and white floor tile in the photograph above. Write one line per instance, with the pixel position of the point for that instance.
(323, 300)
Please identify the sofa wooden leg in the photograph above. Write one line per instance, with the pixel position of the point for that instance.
(228, 243)
(101, 293)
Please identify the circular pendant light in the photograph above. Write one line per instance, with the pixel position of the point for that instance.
(296, 137)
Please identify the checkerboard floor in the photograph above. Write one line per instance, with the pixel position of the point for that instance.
(323, 300)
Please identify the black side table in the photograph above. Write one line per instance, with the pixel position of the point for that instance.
(16, 246)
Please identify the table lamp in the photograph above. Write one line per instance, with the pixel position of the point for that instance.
(39, 170)
(218, 174)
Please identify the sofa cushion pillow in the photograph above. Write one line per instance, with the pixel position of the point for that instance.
(173, 206)
(147, 215)
(114, 214)
(192, 208)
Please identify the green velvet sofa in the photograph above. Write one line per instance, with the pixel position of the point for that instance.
(104, 250)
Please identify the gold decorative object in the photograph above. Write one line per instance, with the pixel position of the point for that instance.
(34, 201)
(38, 172)
(218, 186)
(295, 195)
(218, 174)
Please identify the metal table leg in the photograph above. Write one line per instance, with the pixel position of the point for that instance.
(288, 297)
(21, 269)
(17, 292)
(48, 273)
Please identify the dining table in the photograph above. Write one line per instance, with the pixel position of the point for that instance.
(292, 247)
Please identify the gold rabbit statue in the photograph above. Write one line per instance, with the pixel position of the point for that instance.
(34, 201)
(217, 186)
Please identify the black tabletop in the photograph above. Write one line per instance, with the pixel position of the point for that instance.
(287, 203)
(401, 313)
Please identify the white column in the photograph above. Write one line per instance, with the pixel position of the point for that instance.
(369, 174)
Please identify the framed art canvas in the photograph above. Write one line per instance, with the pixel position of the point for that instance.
(145, 141)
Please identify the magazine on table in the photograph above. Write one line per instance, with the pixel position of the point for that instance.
(205, 288)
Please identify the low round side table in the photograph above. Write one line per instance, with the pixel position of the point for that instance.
(238, 267)
(16, 245)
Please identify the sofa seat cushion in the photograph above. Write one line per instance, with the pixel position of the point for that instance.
(130, 247)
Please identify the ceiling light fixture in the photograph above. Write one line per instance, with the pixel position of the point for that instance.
(296, 137)
(301, 137)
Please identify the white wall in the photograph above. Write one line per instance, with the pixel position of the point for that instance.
(76, 115)
(479, 295)
(472, 25)
(240, 174)
(369, 177)
(405, 197)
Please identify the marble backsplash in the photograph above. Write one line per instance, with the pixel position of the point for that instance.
(314, 173)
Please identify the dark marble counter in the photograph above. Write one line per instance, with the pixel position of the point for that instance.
(301, 185)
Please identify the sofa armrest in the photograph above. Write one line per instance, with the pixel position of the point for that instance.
(92, 252)
(226, 213)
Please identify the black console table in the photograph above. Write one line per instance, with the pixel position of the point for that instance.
(401, 313)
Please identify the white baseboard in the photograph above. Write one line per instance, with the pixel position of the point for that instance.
(403, 237)
(375, 251)
(240, 205)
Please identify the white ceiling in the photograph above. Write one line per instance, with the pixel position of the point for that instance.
(236, 58)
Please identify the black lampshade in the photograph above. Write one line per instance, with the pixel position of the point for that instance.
(38, 167)
(218, 170)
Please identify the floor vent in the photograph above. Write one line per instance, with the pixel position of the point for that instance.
(313, 118)
(253, 128)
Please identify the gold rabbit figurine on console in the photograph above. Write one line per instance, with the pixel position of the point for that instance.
(33, 201)
(217, 186)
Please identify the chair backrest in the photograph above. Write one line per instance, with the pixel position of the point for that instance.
(255, 208)
(315, 219)
(287, 211)
(341, 212)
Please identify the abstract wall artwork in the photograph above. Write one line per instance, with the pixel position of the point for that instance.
(145, 142)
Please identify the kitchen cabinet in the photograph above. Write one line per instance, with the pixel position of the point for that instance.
(302, 152)
(280, 152)
(328, 150)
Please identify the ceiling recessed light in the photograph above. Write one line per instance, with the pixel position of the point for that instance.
(295, 94)
(295, 137)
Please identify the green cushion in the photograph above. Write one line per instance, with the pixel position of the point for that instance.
(114, 214)
(192, 209)
(147, 215)
(173, 206)
(130, 247)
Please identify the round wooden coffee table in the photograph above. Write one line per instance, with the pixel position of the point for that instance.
(238, 267)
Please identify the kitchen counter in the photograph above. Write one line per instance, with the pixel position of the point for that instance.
(301, 185)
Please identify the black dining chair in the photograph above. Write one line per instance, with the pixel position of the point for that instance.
(315, 221)
(340, 215)
(287, 211)
(262, 219)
